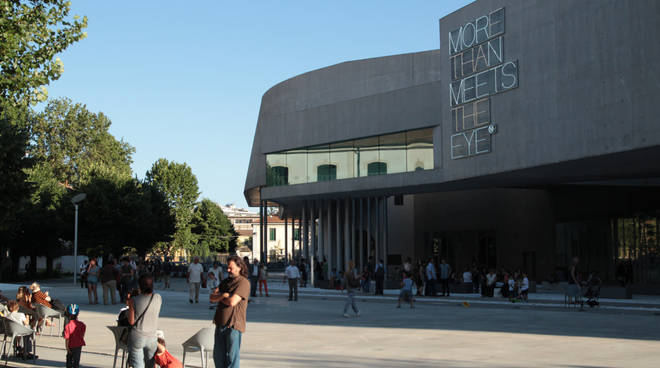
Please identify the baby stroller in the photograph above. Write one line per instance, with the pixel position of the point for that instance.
(593, 291)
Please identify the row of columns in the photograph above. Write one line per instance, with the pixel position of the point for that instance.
(337, 231)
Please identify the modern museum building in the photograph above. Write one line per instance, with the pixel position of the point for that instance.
(529, 137)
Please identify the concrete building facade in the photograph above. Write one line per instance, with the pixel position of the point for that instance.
(529, 137)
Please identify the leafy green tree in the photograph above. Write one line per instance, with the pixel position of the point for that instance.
(179, 186)
(32, 33)
(75, 145)
(123, 214)
(214, 231)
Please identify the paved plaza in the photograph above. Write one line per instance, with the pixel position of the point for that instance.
(313, 333)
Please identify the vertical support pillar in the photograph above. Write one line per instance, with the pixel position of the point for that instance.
(261, 230)
(321, 237)
(339, 239)
(264, 258)
(386, 234)
(286, 240)
(361, 249)
(347, 232)
(368, 243)
(305, 238)
(328, 237)
(353, 245)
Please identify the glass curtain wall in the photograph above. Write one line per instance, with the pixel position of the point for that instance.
(381, 155)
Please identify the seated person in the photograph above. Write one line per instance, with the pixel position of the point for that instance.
(40, 297)
(21, 318)
(163, 357)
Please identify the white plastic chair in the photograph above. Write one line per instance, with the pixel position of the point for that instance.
(45, 313)
(14, 329)
(203, 342)
(117, 331)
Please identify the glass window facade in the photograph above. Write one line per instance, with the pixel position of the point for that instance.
(381, 155)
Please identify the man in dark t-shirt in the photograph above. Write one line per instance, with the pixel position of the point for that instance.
(230, 316)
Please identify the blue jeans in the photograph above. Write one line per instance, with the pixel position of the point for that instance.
(141, 351)
(227, 347)
(350, 301)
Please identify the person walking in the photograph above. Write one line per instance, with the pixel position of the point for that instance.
(406, 290)
(143, 311)
(126, 274)
(445, 273)
(431, 278)
(217, 271)
(351, 282)
(92, 281)
(292, 274)
(254, 275)
(194, 278)
(230, 316)
(263, 279)
(109, 282)
(379, 275)
(83, 274)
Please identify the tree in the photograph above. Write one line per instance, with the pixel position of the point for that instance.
(179, 186)
(213, 229)
(31, 34)
(74, 145)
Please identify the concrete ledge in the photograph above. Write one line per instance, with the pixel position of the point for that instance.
(615, 292)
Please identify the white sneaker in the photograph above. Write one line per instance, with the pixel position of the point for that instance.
(346, 315)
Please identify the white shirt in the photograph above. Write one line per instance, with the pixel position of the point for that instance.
(491, 278)
(195, 271)
(467, 276)
(217, 272)
(17, 317)
(511, 284)
(255, 270)
(292, 272)
(525, 284)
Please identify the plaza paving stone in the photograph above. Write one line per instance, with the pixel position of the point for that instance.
(313, 333)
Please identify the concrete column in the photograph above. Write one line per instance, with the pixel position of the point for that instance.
(339, 260)
(352, 229)
(368, 243)
(321, 237)
(347, 232)
(328, 236)
(386, 228)
(265, 248)
(286, 240)
(361, 248)
(261, 230)
(305, 238)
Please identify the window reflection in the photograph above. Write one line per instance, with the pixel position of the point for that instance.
(342, 156)
(366, 152)
(276, 169)
(326, 172)
(381, 155)
(392, 153)
(316, 156)
(297, 163)
(419, 150)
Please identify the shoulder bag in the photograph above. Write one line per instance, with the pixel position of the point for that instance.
(127, 331)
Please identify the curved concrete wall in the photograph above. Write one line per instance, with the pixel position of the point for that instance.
(586, 106)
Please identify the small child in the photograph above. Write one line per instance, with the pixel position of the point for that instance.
(212, 283)
(16, 316)
(406, 290)
(163, 357)
(74, 337)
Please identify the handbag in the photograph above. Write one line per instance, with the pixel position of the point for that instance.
(127, 331)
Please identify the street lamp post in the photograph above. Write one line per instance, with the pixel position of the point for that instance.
(76, 200)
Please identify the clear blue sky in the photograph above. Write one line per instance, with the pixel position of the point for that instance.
(183, 80)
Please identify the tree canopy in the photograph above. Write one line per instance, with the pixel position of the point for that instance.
(179, 186)
(213, 229)
(32, 33)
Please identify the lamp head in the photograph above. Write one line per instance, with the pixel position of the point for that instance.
(78, 198)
